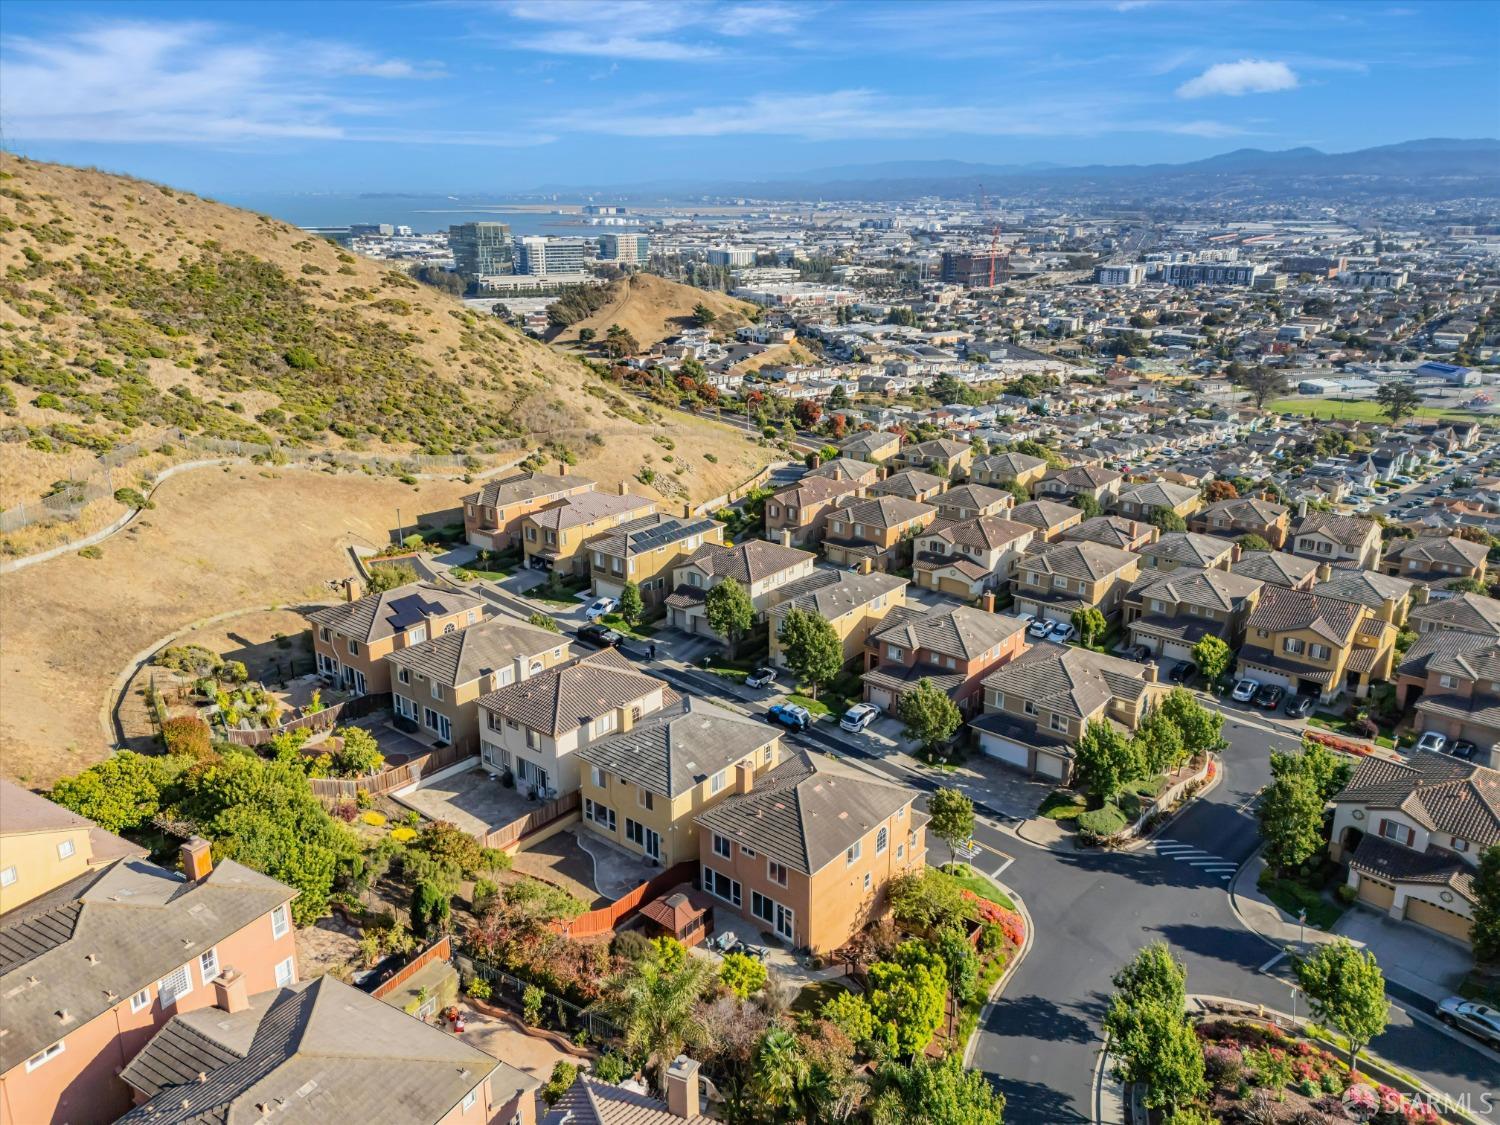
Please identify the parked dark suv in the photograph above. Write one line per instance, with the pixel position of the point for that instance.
(1300, 706)
(1269, 697)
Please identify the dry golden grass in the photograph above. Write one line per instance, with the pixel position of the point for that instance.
(652, 308)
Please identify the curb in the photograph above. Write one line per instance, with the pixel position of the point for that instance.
(1139, 842)
(1010, 969)
(1234, 901)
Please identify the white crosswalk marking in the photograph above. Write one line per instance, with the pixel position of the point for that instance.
(1206, 861)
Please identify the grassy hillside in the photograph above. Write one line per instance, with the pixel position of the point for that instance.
(130, 311)
(652, 308)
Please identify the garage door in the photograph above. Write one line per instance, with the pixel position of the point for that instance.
(1435, 917)
(881, 697)
(603, 589)
(1013, 753)
(1376, 893)
(1266, 676)
(1176, 650)
(1049, 766)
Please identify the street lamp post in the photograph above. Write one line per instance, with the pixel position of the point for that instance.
(398, 525)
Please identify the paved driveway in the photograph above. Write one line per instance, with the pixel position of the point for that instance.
(1421, 961)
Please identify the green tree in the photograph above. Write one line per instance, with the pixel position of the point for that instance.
(1262, 383)
(1105, 760)
(1399, 400)
(1291, 821)
(1212, 656)
(952, 816)
(1253, 542)
(1166, 520)
(1090, 623)
(388, 576)
(543, 621)
(926, 900)
(360, 753)
(1486, 932)
(586, 335)
(742, 974)
(811, 648)
(187, 736)
(1153, 974)
(1326, 771)
(962, 966)
(1088, 505)
(930, 715)
(632, 609)
(1202, 730)
(1160, 1050)
(906, 997)
(121, 793)
(1159, 742)
(936, 1092)
(781, 1070)
(1016, 489)
(850, 1014)
(703, 316)
(655, 1004)
(730, 612)
(1346, 991)
(838, 398)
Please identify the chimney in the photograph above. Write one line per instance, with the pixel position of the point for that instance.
(520, 663)
(624, 489)
(786, 537)
(687, 509)
(197, 859)
(744, 777)
(1153, 673)
(627, 718)
(1325, 572)
(814, 460)
(562, 468)
(230, 992)
(987, 603)
(682, 1087)
(1301, 509)
(349, 594)
(866, 565)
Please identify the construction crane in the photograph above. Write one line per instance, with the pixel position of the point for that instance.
(994, 249)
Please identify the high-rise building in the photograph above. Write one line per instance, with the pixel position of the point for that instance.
(541, 257)
(1127, 274)
(480, 249)
(628, 248)
(971, 270)
(1209, 273)
(731, 256)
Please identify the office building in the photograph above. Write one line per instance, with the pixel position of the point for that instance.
(731, 256)
(1374, 279)
(540, 257)
(1211, 273)
(631, 249)
(970, 270)
(480, 249)
(1129, 274)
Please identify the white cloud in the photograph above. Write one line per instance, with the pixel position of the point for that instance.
(867, 113)
(1248, 76)
(651, 30)
(195, 83)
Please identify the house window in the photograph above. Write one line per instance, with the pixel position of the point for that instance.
(281, 921)
(1033, 578)
(748, 853)
(900, 851)
(721, 846)
(765, 755)
(892, 652)
(602, 815)
(598, 777)
(470, 618)
(1030, 707)
(41, 1058)
(882, 840)
(324, 635)
(437, 690)
(286, 973)
(208, 965)
(174, 985)
(762, 907)
(1395, 830)
(718, 781)
(1158, 606)
(646, 799)
(469, 1099)
(353, 648)
(1459, 845)
(1293, 645)
(1319, 652)
(65, 849)
(604, 724)
(1448, 681)
(776, 872)
(1059, 582)
(440, 725)
(1057, 722)
(417, 635)
(404, 707)
(853, 852)
(868, 880)
(721, 886)
(140, 1000)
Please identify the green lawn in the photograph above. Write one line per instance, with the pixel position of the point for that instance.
(812, 998)
(1292, 897)
(1062, 805)
(972, 880)
(465, 573)
(614, 621)
(1365, 410)
(816, 707)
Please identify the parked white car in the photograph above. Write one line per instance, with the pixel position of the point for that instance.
(1471, 1016)
(858, 717)
(1245, 690)
(600, 606)
(761, 677)
(1433, 741)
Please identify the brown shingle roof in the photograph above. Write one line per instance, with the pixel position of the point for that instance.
(1045, 514)
(884, 512)
(1158, 493)
(559, 699)
(1470, 613)
(960, 631)
(746, 562)
(468, 654)
(1078, 560)
(1348, 531)
(1439, 792)
(1275, 567)
(679, 747)
(1071, 681)
(1188, 548)
(1212, 589)
(1245, 509)
(377, 616)
(1112, 531)
(1437, 550)
(908, 484)
(524, 486)
(1008, 464)
(1281, 610)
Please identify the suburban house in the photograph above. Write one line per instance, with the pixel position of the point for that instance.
(93, 967)
(1114, 531)
(492, 516)
(317, 1050)
(1459, 696)
(43, 846)
(1387, 597)
(910, 484)
(852, 603)
(645, 551)
(1412, 833)
(351, 640)
(846, 469)
(1171, 611)
(969, 501)
(532, 729)
(1247, 515)
(1464, 613)
(643, 787)
(954, 647)
(871, 445)
(1142, 501)
(1452, 654)
(1315, 645)
(874, 529)
(1436, 560)
(1059, 578)
(1277, 568)
(967, 559)
(808, 852)
(1331, 538)
(590, 1101)
(764, 569)
(1186, 548)
(942, 457)
(1007, 468)
(1051, 519)
(1080, 480)
(802, 508)
(437, 684)
(552, 539)
(1037, 706)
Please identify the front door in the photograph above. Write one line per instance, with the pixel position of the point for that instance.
(784, 922)
(359, 681)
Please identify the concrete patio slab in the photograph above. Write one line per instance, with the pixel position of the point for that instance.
(470, 800)
(616, 871)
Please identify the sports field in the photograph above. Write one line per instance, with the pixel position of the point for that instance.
(1361, 410)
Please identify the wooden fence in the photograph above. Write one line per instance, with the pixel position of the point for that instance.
(606, 918)
(392, 778)
(539, 817)
(356, 708)
(440, 950)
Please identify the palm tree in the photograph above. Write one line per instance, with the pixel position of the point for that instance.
(655, 1003)
(781, 1070)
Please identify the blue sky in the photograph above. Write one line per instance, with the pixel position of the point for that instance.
(473, 95)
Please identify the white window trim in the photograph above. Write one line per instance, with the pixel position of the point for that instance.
(176, 994)
(46, 1055)
(65, 849)
(469, 1099)
(211, 956)
(8, 876)
(281, 921)
(141, 1000)
(290, 965)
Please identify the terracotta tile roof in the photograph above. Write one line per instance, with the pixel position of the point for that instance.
(559, 699)
(1437, 791)
(1281, 610)
(807, 811)
(377, 616)
(986, 533)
